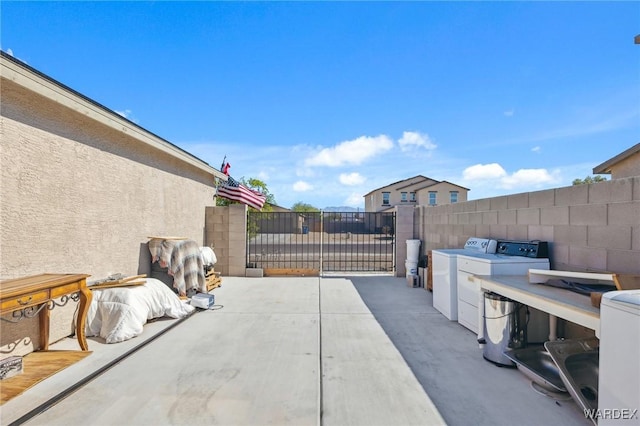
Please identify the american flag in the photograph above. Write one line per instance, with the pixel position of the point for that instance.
(234, 190)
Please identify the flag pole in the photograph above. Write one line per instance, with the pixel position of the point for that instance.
(217, 181)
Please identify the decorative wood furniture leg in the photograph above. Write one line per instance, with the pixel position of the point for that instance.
(44, 328)
(85, 301)
(38, 294)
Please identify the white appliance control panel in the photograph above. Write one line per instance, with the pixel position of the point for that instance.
(481, 245)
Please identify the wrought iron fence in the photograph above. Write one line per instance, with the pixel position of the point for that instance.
(322, 241)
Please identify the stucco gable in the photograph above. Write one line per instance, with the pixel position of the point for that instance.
(605, 168)
(451, 183)
(401, 184)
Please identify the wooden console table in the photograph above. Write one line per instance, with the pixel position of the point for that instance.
(37, 295)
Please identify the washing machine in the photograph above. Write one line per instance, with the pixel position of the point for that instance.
(444, 269)
(511, 258)
(619, 371)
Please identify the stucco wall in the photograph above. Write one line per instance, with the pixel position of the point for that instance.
(78, 196)
(630, 166)
(443, 196)
(373, 200)
(593, 228)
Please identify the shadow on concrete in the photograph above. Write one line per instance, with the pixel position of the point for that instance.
(448, 363)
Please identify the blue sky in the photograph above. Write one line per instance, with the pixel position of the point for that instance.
(326, 101)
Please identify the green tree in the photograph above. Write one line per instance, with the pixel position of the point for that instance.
(253, 228)
(259, 186)
(589, 180)
(301, 207)
(255, 184)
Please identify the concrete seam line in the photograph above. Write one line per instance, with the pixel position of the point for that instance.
(320, 371)
(71, 389)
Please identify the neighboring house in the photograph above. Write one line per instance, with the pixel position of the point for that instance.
(625, 164)
(418, 190)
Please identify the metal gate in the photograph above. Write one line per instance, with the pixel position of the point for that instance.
(290, 243)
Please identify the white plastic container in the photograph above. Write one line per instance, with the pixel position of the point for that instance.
(413, 281)
(413, 250)
(411, 267)
(203, 300)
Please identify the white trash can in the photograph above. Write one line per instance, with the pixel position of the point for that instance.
(413, 250)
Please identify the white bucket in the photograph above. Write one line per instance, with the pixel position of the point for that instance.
(411, 267)
(412, 281)
(413, 250)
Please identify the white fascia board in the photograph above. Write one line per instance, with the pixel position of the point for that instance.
(43, 87)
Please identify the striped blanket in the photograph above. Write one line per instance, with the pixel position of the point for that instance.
(187, 268)
(183, 261)
(161, 251)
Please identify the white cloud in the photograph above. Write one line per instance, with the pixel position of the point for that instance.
(509, 113)
(352, 152)
(302, 186)
(483, 171)
(536, 149)
(9, 52)
(305, 172)
(354, 200)
(494, 175)
(528, 178)
(411, 140)
(125, 113)
(602, 124)
(351, 179)
(128, 114)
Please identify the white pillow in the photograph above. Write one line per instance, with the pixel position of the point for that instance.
(208, 256)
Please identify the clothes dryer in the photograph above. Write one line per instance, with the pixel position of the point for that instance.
(445, 269)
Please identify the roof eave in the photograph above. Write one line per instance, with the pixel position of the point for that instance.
(605, 168)
(37, 82)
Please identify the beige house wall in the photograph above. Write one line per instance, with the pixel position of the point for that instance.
(630, 166)
(79, 196)
(443, 193)
(592, 228)
(373, 200)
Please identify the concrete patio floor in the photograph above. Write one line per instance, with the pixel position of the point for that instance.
(364, 350)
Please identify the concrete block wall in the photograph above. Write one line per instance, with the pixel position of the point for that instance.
(404, 232)
(591, 228)
(226, 232)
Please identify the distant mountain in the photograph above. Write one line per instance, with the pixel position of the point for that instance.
(341, 209)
